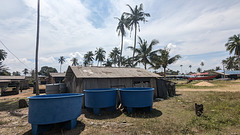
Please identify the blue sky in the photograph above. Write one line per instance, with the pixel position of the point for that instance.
(197, 30)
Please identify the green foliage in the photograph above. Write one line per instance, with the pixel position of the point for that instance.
(45, 70)
(115, 56)
(100, 55)
(25, 71)
(145, 52)
(16, 73)
(74, 61)
(88, 58)
(3, 54)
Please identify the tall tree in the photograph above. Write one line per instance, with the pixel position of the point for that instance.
(127, 62)
(233, 45)
(3, 55)
(133, 18)
(190, 66)
(74, 61)
(145, 52)
(114, 55)
(25, 71)
(45, 70)
(61, 60)
(199, 70)
(108, 63)
(164, 59)
(88, 58)
(122, 23)
(16, 73)
(100, 55)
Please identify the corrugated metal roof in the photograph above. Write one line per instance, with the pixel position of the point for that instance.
(228, 72)
(110, 72)
(57, 74)
(12, 77)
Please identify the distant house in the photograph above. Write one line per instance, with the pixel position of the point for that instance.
(229, 74)
(56, 77)
(19, 82)
(79, 78)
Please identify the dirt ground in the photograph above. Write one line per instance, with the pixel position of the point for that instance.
(15, 121)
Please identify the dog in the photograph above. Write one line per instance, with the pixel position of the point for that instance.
(199, 109)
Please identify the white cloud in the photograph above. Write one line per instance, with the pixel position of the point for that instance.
(66, 28)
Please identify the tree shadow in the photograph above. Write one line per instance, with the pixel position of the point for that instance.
(142, 113)
(105, 114)
(58, 129)
(8, 105)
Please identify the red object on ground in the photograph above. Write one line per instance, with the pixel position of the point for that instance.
(202, 77)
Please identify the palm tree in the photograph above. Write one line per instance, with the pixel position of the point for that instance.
(231, 63)
(108, 63)
(181, 68)
(25, 71)
(121, 31)
(199, 69)
(164, 59)
(88, 58)
(233, 45)
(190, 66)
(3, 54)
(127, 62)
(114, 55)
(74, 61)
(133, 18)
(202, 64)
(61, 60)
(145, 52)
(100, 55)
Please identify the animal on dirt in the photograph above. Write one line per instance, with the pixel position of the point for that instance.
(22, 103)
(199, 109)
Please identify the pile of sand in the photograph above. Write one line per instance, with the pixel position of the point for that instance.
(204, 84)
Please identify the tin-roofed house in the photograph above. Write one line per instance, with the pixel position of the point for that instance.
(80, 78)
(56, 77)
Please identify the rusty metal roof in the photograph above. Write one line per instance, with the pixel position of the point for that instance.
(109, 72)
(57, 74)
(12, 77)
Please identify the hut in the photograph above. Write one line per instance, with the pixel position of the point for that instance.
(19, 82)
(79, 78)
(56, 77)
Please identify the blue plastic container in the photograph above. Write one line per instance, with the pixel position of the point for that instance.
(132, 98)
(97, 99)
(45, 110)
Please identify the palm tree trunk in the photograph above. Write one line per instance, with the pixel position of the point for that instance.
(239, 62)
(121, 50)
(164, 70)
(36, 58)
(134, 43)
(60, 67)
(145, 66)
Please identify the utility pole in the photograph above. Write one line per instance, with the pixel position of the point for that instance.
(36, 57)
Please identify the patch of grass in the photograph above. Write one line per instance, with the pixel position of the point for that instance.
(8, 105)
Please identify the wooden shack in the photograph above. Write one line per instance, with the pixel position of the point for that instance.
(56, 77)
(79, 78)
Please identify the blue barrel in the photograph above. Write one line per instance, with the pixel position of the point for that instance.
(136, 98)
(97, 99)
(54, 108)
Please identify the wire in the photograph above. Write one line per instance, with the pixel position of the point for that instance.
(14, 55)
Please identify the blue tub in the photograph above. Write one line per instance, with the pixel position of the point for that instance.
(132, 98)
(97, 99)
(45, 110)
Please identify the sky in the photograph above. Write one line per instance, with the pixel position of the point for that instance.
(196, 30)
